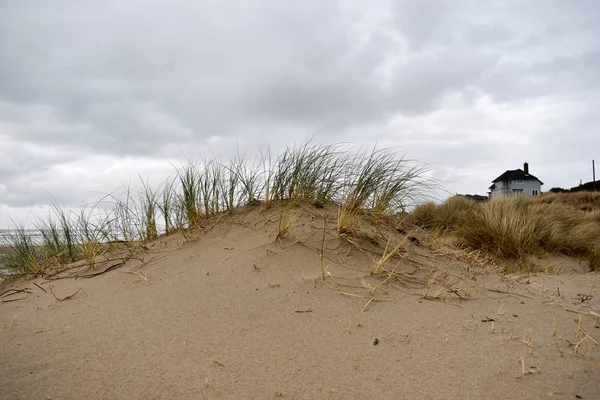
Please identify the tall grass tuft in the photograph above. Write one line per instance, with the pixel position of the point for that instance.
(348, 220)
(51, 248)
(229, 181)
(249, 177)
(189, 178)
(381, 182)
(125, 224)
(210, 186)
(308, 172)
(21, 254)
(68, 232)
(94, 233)
(148, 204)
(166, 205)
(267, 169)
(287, 218)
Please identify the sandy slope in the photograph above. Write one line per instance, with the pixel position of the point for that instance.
(233, 314)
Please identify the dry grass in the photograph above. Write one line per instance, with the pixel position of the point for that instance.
(380, 264)
(514, 228)
(584, 336)
(447, 215)
(287, 219)
(348, 220)
(583, 201)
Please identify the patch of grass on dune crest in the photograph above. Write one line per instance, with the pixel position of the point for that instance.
(516, 227)
(512, 228)
(581, 200)
(446, 215)
(361, 182)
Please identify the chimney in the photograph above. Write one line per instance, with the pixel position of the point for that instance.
(526, 168)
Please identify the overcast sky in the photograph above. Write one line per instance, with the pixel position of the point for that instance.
(93, 92)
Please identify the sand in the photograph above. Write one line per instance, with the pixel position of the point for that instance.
(230, 313)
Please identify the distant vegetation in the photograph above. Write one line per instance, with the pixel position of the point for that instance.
(512, 228)
(374, 182)
(585, 187)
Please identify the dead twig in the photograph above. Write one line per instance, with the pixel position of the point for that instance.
(505, 292)
(55, 276)
(11, 300)
(14, 291)
(67, 297)
(45, 291)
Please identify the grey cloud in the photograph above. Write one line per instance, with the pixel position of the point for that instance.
(481, 34)
(155, 79)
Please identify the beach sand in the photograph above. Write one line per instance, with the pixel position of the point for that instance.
(230, 313)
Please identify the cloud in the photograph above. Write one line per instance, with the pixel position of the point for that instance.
(472, 88)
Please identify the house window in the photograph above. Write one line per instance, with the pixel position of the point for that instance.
(534, 192)
(520, 181)
(504, 183)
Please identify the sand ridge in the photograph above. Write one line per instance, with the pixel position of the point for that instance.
(231, 313)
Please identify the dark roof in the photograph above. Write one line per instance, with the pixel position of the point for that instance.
(516, 175)
(475, 197)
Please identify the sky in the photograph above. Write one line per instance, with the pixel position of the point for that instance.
(93, 93)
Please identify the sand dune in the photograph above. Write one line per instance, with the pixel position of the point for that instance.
(228, 312)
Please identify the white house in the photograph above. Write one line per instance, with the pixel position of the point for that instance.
(516, 182)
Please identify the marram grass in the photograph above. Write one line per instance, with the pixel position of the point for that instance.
(359, 181)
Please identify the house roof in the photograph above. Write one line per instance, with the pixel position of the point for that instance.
(514, 175)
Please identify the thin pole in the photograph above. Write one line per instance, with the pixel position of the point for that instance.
(594, 174)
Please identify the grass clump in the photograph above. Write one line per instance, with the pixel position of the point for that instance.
(94, 232)
(287, 218)
(148, 205)
(379, 183)
(21, 252)
(190, 183)
(516, 227)
(451, 213)
(382, 183)
(348, 220)
(584, 201)
(309, 172)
